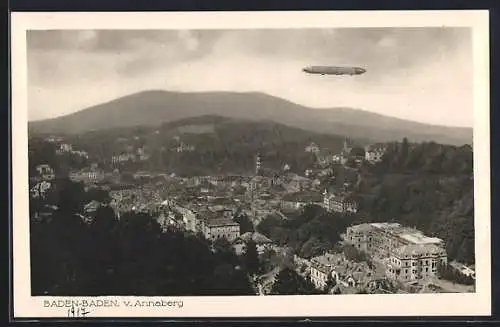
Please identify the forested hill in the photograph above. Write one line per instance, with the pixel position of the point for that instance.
(220, 145)
(428, 186)
(152, 108)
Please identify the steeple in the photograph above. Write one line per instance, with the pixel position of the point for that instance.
(346, 145)
(257, 164)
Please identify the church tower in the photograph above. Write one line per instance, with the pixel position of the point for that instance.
(257, 164)
(345, 152)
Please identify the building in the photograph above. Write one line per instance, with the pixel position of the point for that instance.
(320, 274)
(188, 216)
(409, 254)
(338, 203)
(258, 164)
(375, 152)
(468, 271)
(124, 157)
(346, 152)
(382, 238)
(322, 268)
(297, 200)
(63, 148)
(262, 243)
(215, 229)
(463, 269)
(82, 154)
(87, 176)
(45, 172)
(184, 148)
(342, 204)
(350, 152)
(297, 183)
(218, 225)
(53, 139)
(40, 189)
(312, 148)
(415, 261)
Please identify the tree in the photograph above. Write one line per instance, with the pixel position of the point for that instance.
(404, 151)
(225, 251)
(288, 282)
(98, 195)
(130, 256)
(312, 247)
(450, 273)
(330, 284)
(245, 223)
(252, 258)
(71, 196)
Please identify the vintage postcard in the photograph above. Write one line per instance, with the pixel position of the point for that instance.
(245, 164)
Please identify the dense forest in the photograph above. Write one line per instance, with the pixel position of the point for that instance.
(289, 282)
(308, 232)
(428, 186)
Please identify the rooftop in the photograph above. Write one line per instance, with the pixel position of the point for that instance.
(376, 147)
(419, 238)
(221, 222)
(303, 197)
(362, 227)
(256, 237)
(386, 225)
(328, 259)
(418, 249)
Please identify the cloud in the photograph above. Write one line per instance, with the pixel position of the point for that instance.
(424, 74)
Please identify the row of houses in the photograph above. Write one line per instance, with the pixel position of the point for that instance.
(215, 225)
(335, 267)
(65, 148)
(331, 201)
(373, 152)
(339, 202)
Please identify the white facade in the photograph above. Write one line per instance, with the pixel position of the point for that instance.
(374, 153)
(222, 228)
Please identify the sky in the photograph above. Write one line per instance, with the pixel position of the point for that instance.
(420, 74)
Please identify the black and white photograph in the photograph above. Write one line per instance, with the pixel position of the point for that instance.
(335, 163)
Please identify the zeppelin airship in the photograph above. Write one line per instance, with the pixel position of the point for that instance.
(334, 70)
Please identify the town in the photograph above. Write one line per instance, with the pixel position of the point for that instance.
(370, 256)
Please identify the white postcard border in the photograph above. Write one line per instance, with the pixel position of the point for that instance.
(470, 304)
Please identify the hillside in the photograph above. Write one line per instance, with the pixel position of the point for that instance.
(152, 108)
(219, 145)
(428, 186)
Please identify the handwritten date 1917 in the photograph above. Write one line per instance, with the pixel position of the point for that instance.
(77, 312)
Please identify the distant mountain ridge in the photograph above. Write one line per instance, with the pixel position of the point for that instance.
(151, 108)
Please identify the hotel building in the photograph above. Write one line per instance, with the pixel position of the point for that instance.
(409, 254)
